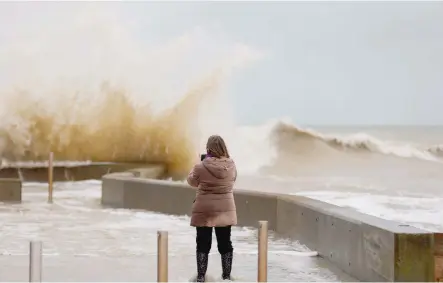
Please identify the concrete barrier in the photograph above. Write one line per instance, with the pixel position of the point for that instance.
(438, 256)
(11, 177)
(10, 190)
(366, 247)
(66, 172)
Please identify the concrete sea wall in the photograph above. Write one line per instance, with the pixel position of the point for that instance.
(10, 190)
(66, 172)
(438, 256)
(366, 247)
(11, 177)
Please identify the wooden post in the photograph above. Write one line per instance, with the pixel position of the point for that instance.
(262, 273)
(35, 262)
(50, 176)
(162, 256)
(438, 256)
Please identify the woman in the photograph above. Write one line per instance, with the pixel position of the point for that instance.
(214, 205)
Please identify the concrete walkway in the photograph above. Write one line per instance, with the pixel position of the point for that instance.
(84, 242)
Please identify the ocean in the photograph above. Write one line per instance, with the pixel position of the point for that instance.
(394, 172)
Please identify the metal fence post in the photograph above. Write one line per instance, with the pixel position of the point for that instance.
(35, 262)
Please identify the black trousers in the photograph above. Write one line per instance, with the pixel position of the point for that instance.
(204, 239)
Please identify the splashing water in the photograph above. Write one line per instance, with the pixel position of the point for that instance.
(77, 79)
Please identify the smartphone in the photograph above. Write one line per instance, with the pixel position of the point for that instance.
(203, 156)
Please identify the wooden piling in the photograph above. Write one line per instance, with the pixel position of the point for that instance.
(162, 256)
(50, 176)
(262, 272)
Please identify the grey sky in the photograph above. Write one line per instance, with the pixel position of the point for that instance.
(327, 63)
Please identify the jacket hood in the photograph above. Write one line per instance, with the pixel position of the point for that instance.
(220, 168)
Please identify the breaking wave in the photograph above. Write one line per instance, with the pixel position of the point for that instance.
(287, 136)
(76, 80)
(437, 150)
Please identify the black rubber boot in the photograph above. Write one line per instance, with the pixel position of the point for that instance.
(226, 260)
(202, 266)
